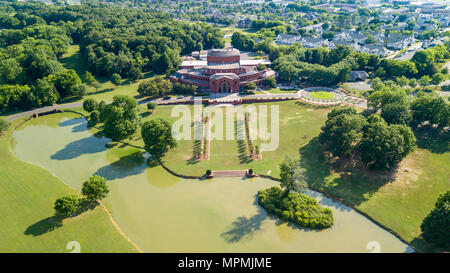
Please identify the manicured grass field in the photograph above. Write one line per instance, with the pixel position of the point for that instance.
(322, 95)
(26, 215)
(399, 200)
(281, 91)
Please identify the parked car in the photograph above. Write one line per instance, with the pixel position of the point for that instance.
(166, 98)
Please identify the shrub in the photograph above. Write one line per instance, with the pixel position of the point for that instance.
(436, 226)
(295, 207)
(116, 79)
(250, 171)
(94, 118)
(208, 172)
(90, 105)
(67, 205)
(4, 125)
(151, 105)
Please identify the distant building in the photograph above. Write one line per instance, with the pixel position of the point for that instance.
(357, 76)
(223, 72)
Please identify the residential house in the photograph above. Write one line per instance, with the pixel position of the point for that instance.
(357, 76)
(310, 42)
(286, 39)
(398, 41)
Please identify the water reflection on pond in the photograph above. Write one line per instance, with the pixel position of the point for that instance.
(162, 213)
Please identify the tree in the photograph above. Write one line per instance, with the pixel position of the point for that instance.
(116, 79)
(396, 113)
(250, 86)
(157, 136)
(342, 131)
(135, 73)
(79, 90)
(292, 175)
(43, 93)
(270, 82)
(151, 105)
(120, 118)
(94, 118)
(383, 146)
(95, 188)
(434, 109)
(90, 105)
(436, 225)
(4, 125)
(65, 82)
(88, 78)
(425, 80)
(155, 87)
(67, 205)
(437, 78)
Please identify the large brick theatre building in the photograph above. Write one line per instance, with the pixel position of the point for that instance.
(222, 72)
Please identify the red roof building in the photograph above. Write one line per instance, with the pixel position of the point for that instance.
(223, 72)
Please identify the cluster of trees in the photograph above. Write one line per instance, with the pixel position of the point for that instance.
(381, 145)
(120, 118)
(94, 189)
(397, 107)
(290, 204)
(422, 66)
(155, 87)
(322, 66)
(131, 41)
(114, 41)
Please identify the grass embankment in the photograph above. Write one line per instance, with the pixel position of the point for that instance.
(26, 218)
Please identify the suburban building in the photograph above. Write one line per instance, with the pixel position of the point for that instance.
(222, 72)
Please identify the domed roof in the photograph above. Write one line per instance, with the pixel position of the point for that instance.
(224, 52)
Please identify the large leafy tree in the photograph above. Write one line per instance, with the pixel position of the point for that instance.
(383, 146)
(434, 109)
(120, 118)
(67, 205)
(157, 136)
(436, 226)
(292, 175)
(342, 131)
(95, 188)
(65, 82)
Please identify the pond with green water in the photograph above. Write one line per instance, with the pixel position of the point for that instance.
(163, 213)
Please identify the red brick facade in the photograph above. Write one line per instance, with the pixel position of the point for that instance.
(223, 73)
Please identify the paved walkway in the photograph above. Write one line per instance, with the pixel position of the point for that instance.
(43, 110)
(235, 173)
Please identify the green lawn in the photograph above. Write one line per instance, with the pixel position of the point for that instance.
(399, 201)
(322, 95)
(281, 91)
(26, 216)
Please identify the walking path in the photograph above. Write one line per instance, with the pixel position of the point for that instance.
(230, 173)
(217, 97)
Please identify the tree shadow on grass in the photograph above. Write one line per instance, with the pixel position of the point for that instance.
(88, 145)
(244, 227)
(341, 179)
(132, 164)
(432, 139)
(43, 226)
(56, 221)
